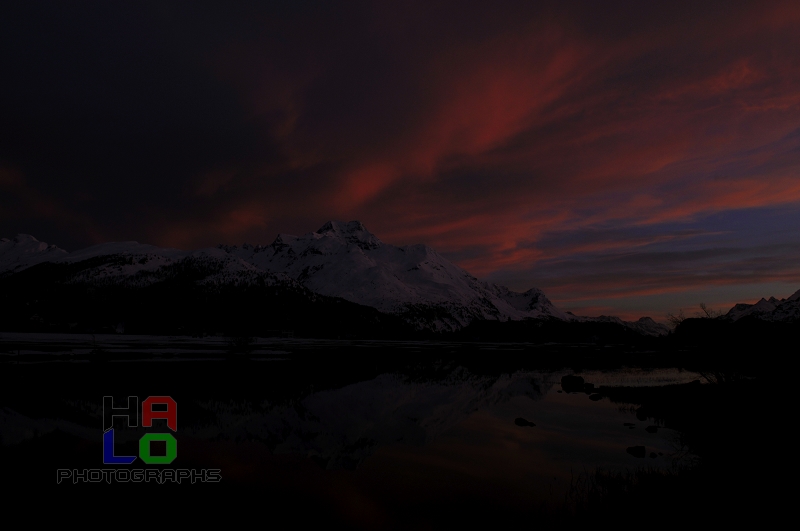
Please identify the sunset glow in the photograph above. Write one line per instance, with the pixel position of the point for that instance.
(626, 158)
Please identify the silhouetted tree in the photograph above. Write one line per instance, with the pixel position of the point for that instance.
(707, 313)
(674, 319)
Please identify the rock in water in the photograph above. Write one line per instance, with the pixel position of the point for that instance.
(637, 451)
(519, 421)
(572, 384)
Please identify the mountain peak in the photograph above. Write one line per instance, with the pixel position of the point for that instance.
(23, 251)
(351, 232)
(343, 227)
(24, 238)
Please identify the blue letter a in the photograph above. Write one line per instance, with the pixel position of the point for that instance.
(108, 451)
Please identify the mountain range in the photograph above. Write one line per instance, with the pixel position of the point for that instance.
(341, 265)
(773, 310)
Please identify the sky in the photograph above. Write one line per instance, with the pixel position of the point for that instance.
(629, 158)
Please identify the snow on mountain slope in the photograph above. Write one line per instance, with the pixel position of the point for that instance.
(772, 309)
(346, 260)
(24, 251)
(132, 263)
(647, 326)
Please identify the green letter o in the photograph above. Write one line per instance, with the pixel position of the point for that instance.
(144, 448)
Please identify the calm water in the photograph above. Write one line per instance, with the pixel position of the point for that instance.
(374, 442)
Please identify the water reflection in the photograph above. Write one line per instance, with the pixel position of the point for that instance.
(387, 435)
(506, 425)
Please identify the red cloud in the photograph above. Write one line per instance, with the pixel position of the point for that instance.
(483, 131)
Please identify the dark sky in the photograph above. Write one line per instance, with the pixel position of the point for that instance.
(626, 157)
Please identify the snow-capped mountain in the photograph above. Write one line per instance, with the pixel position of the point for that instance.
(341, 260)
(777, 310)
(128, 263)
(24, 251)
(346, 260)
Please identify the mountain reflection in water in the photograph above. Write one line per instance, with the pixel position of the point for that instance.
(434, 435)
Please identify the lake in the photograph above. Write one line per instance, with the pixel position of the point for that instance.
(372, 434)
